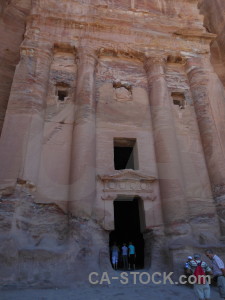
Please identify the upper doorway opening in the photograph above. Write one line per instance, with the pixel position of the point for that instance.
(125, 154)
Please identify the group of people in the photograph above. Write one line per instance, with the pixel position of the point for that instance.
(127, 255)
(216, 270)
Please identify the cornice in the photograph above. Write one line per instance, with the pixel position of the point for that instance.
(193, 33)
(127, 175)
(152, 26)
(107, 36)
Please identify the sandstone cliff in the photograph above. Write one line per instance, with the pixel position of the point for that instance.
(214, 21)
(12, 27)
(81, 76)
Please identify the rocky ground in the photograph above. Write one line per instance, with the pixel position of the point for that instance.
(41, 247)
(44, 254)
(113, 291)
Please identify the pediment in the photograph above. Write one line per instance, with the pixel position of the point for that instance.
(125, 175)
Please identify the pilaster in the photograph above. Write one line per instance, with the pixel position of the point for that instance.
(83, 161)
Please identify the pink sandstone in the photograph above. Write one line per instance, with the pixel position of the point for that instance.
(80, 78)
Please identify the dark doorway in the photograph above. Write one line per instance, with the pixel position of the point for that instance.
(127, 227)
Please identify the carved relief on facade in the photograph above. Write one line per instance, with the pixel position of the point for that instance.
(219, 190)
(128, 182)
(122, 92)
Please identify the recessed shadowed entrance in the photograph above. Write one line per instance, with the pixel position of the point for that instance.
(127, 226)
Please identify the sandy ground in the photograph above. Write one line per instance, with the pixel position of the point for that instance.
(105, 291)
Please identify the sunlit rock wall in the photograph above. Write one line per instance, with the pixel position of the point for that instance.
(89, 72)
(12, 27)
(214, 21)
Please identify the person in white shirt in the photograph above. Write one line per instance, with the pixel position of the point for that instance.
(218, 269)
(115, 255)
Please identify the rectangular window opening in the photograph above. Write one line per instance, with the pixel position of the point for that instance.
(125, 154)
(62, 94)
(62, 91)
(178, 99)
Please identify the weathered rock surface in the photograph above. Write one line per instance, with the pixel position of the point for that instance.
(42, 246)
(12, 28)
(214, 21)
(91, 76)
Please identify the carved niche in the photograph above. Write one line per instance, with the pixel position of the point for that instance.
(122, 92)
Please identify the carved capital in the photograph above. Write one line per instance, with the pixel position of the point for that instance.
(193, 63)
(155, 67)
(29, 50)
(108, 197)
(156, 60)
(149, 198)
(153, 61)
(86, 56)
(219, 190)
(201, 66)
(35, 51)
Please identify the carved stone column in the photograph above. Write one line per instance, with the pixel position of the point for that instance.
(199, 78)
(22, 132)
(83, 161)
(209, 102)
(166, 149)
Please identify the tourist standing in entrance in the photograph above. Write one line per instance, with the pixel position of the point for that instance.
(115, 255)
(132, 256)
(218, 269)
(125, 256)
